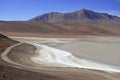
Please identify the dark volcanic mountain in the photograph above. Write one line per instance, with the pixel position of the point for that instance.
(83, 16)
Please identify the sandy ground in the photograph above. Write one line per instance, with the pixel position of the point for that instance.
(60, 72)
(88, 48)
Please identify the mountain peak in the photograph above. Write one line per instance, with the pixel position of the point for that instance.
(54, 13)
(83, 16)
(84, 9)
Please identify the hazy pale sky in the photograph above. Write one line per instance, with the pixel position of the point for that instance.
(27, 9)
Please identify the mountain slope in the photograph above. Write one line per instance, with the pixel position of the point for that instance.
(31, 28)
(5, 42)
(82, 22)
(83, 16)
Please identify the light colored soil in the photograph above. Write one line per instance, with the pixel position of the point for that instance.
(64, 73)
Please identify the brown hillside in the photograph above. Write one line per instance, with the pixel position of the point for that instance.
(32, 28)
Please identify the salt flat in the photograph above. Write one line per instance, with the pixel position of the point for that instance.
(100, 50)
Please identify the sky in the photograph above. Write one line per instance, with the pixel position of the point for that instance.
(11, 10)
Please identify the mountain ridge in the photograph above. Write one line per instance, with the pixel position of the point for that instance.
(81, 22)
(83, 16)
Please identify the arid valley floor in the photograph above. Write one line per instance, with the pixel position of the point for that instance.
(84, 58)
(59, 39)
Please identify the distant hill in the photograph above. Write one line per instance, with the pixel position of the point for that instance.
(83, 16)
(32, 28)
(82, 22)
